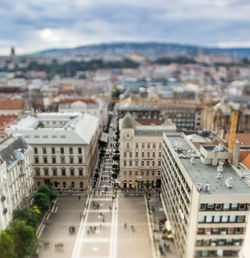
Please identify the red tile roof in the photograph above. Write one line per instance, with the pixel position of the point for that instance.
(246, 161)
(70, 101)
(242, 155)
(6, 121)
(243, 138)
(11, 104)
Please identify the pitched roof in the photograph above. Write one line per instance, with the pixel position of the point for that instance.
(70, 101)
(246, 161)
(11, 104)
(5, 121)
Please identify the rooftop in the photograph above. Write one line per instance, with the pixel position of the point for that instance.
(6, 104)
(56, 128)
(201, 173)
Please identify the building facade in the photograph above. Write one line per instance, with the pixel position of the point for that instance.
(16, 179)
(64, 147)
(206, 200)
(140, 151)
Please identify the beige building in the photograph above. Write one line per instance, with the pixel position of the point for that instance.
(206, 200)
(140, 151)
(16, 181)
(64, 147)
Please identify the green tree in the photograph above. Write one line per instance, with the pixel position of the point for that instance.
(48, 191)
(7, 245)
(24, 238)
(42, 201)
(26, 215)
(114, 175)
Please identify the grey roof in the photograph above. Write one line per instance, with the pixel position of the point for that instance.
(13, 150)
(199, 173)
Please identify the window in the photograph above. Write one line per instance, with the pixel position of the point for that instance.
(72, 172)
(81, 184)
(238, 230)
(136, 145)
(201, 219)
(142, 154)
(240, 219)
(234, 206)
(130, 163)
(125, 173)
(79, 160)
(210, 206)
(159, 163)
(136, 154)
(37, 171)
(242, 206)
(153, 145)
(224, 219)
(202, 206)
(226, 206)
(127, 145)
(62, 160)
(142, 173)
(45, 160)
(216, 219)
(218, 206)
(136, 162)
(147, 162)
(153, 173)
(54, 172)
(71, 160)
(147, 173)
(232, 218)
(142, 163)
(80, 172)
(63, 172)
(136, 173)
(53, 151)
(159, 173)
(64, 184)
(79, 150)
(148, 154)
(62, 150)
(46, 172)
(35, 150)
(124, 163)
(153, 163)
(148, 145)
(142, 145)
(230, 230)
(209, 219)
(44, 150)
(36, 160)
(72, 184)
(130, 154)
(200, 231)
(159, 154)
(130, 173)
(125, 154)
(54, 160)
(70, 150)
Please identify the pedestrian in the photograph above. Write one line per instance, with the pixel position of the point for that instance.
(110, 208)
(95, 228)
(80, 214)
(79, 197)
(125, 225)
(103, 220)
(100, 213)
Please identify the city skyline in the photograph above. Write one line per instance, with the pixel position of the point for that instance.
(32, 26)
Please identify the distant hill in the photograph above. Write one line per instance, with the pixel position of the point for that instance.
(149, 49)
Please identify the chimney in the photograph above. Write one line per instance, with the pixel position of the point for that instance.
(236, 153)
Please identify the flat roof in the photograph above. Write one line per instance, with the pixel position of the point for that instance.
(200, 173)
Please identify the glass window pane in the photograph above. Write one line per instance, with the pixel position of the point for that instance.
(224, 219)
(209, 218)
(234, 206)
(226, 206)
(201, 218)
(232, 218)
(216, 218)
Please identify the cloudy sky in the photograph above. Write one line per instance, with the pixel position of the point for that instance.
(32, 25)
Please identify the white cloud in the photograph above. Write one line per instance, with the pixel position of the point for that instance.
(234, 44)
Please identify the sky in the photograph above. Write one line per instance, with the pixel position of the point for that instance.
(33, 25)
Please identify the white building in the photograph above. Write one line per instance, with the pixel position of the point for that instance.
(91, 106)
(16, 181)
(206, 200)
(64, 147)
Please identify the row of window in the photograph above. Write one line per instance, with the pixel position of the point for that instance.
(55, 160)
(225, 206)
(142, 154)
(222, 219)
(136, 173)
(216, 253)
(220, 231)
(53, 150)
(64, 184)
(219, 242)
(56, 172)
(129, 163)
(143, 145)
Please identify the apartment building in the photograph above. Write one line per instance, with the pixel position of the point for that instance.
(94, 107)
(64, 147)
(140, 151)
(16, 181)
(206, 200)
